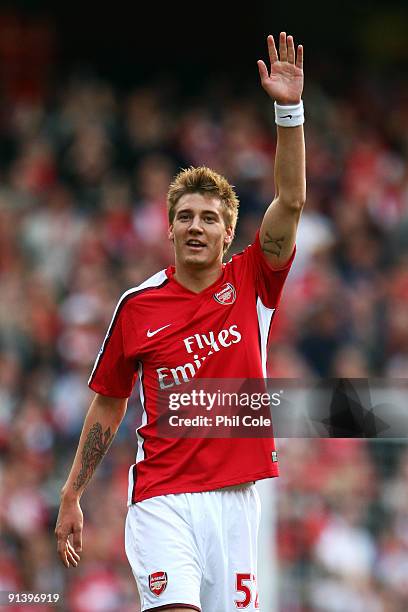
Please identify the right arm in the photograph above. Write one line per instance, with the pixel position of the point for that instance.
(100, 426)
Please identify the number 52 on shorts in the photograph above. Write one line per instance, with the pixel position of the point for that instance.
(246, 585)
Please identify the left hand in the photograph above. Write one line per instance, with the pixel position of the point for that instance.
(285, 81)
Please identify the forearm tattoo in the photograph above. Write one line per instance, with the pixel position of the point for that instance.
(272, 245)
(95, 447)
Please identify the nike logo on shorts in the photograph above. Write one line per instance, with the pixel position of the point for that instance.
(156, 331)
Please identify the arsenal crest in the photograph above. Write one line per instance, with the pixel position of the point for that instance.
(226, 295)
(158, 583)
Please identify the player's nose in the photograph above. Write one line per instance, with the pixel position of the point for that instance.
(196, 225)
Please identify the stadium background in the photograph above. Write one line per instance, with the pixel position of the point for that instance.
(99, 108)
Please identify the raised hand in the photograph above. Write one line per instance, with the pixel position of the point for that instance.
(284, 83)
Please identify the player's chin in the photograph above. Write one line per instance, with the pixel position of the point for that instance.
(197, 258)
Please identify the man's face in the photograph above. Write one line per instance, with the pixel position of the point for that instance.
(198, 230)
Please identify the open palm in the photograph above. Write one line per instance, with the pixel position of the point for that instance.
(284, 83)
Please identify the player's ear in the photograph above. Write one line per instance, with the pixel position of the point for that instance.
(170, 233)
(229, 235)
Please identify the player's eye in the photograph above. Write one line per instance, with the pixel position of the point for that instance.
(183, 217)
(209, 219)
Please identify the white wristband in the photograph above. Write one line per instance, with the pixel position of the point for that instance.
(289, 115)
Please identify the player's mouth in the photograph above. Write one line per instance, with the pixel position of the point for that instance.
(195, 245)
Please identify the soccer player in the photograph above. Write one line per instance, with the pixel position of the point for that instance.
(193, 514)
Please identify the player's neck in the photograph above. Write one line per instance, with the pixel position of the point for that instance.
(196, 279)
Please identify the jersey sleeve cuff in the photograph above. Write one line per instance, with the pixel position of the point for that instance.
(103, 391)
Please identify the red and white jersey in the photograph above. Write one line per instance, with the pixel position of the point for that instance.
(163, 332)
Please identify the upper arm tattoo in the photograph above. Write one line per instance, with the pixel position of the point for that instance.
(95, 447)
(272, 244)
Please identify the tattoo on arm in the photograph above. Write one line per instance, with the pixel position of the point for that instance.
(272, 245)
(95, 447)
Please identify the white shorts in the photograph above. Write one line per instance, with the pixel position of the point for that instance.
(196, 550)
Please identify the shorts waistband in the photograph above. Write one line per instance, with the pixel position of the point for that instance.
(237, 487)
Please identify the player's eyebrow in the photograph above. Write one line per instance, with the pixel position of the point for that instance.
(211, 212)
(203, 212)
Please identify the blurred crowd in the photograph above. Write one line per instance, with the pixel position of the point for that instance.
(342, 530)
(83, 182)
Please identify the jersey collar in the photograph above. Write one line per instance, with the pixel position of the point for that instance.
(170, 271)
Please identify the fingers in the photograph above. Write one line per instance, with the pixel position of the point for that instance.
(299, 59)
(291, 49)
(77, 539)
(287, 51)
(283, 50)
(72, 556)
(263, 71)
(62, 551)
(273, 54)
(67, 552)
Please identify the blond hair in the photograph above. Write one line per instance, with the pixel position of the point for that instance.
(205, 181)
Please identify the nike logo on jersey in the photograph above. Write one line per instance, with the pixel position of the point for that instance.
(156, 331)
